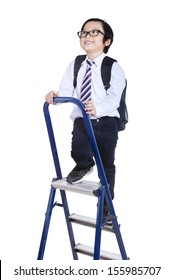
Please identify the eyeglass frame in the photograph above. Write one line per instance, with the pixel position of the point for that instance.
(88, 32)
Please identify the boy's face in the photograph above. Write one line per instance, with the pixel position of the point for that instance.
(93, 46)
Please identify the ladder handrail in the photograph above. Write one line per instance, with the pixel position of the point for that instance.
(90, 135)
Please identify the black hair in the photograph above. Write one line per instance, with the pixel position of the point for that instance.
(107, 31)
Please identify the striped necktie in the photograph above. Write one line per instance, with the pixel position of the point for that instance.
(86, 84)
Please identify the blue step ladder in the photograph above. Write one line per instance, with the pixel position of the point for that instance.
(98, 190)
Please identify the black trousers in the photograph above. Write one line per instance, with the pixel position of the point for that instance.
(106, 134)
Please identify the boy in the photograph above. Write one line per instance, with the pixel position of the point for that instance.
(96, 36)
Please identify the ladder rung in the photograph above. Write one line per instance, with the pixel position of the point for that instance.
(104, 255)
(87, 221)
(85, 187)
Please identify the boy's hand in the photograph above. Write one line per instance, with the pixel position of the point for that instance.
(49, 96)
(90, 108)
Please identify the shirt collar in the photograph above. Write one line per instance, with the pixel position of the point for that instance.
(98, 60)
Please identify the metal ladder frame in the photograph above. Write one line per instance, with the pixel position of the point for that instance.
(103, 191)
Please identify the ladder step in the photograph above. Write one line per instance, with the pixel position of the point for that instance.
(104, 255)
(85, 187)
(87, 221)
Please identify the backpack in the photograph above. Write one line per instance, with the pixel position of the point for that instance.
(106, 76)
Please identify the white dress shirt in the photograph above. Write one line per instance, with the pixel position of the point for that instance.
(106, 102)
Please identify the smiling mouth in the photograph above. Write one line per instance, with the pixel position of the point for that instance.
(88, 42)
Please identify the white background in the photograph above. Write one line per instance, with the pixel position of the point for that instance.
(38, 40)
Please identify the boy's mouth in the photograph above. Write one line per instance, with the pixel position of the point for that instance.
(88, 42)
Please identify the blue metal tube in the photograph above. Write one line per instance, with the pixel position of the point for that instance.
(62, 193)
(46, 224)
(52, 140)
(99, 223)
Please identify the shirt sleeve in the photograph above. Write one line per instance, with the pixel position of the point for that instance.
(113, 95)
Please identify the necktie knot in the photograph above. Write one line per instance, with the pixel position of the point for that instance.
(89, 62)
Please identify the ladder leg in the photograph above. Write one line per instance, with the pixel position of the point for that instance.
(46, 224)
(69, 224)
(99, 225)
(116, 226)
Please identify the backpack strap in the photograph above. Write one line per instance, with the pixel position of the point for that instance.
(122, 109)
(77, 64)
(106, 71)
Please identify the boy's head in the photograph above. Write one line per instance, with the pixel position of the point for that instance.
(107, 31)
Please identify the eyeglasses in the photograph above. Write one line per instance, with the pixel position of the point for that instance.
(92, 33)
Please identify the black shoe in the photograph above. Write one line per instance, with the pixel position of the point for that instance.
(108, 220)
(77, 174)
(106, 216)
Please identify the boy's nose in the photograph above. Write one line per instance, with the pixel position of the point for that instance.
(88, 35)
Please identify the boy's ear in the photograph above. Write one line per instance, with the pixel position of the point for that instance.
(108, 42)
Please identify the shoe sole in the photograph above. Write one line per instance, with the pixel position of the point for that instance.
(79, 181)
(109, 223)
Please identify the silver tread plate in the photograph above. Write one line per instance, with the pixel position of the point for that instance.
(105, 255)
(85, 187)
